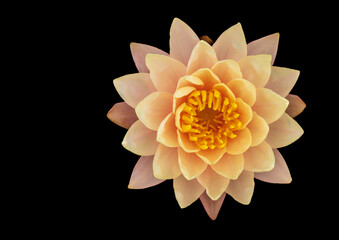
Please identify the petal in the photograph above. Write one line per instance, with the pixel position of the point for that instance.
(231, 44)
(203, 56)
(186, 191)
(139, 52)
(180, 96)
(279, 174)
(296, 105)
(140, 140)
(212, 208)
(243, 89)
(214, 183)
(122, 114)
(258, 128)
(284, 132)
(182, 41)
(154, 108)
(242, 189)
(269, 105)
(282, 80)
(187, 144)
(165, 71)
(229, 166)
(259, 158)
(256, 69)
(265, 45)
(190, 164)
(167, 132)
(227, 70)
(245, 112)
(134, 87)
(224, 90)
(165, 164)
(142, 175)
(240, 143)
(211, 156)
(208, 77)
(190, 80)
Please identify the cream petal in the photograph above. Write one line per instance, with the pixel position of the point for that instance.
(165, 163)
(242, 189)
(256, 69)
(134, 87)
(142, 175)
(207, 76)
(122, 114)
(295, 106)
(259, 158)
(203, 56)
(139, 52)
(190, 81)
(154, 108)
(245, 112)
(229, 166)
(211, 207)
(284, 132)
(258, 128)
(264, 45)
(167, 132)
(269, 105)
(187, 144)
(186, 191)
(279, 174)
(140, 140)
(239, 144)
(231, 44)
(227, 70)
(243, 89)
(211, 156)
(190, 164)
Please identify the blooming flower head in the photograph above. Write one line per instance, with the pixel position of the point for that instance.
(208, 116)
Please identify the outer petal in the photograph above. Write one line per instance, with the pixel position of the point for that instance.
(167, 132)
(280, 172)
(211, 156)
(142, 175)
(296, 105)
(242, 188)
(243, 89)
(229, 166)
(245, 112)
(239, 144)
(186, 192)
(284, 132)
(258, 128)
(165, 71)
(139, 52)
(259, 158)
(269, 105)
(203, 56)
(282, 80)
(212, 208)
(182, 41)
(165, 164)
(227, 70)
(190, 164)
(134, 87)
(154, 108)
(140, 140)
(122, 114)
(265, 45)
(231, 44)
(256, 69)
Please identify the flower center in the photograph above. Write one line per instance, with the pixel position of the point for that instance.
(210, 118)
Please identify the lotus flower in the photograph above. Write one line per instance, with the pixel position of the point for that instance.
(210, 117)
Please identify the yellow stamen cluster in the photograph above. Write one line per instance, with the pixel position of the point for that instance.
(210, 118)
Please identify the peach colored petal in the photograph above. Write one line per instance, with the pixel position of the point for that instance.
(227, 70)
(190, 164)
(224, 90)
(282, 80)
(154, 108)
(296, 105)
(139, 52)
(203, 56)
(186, 144)
(243, 89)
(264, 45)
(122, 114)
(279, 174)
(178, 112)
(258, 128)
(186, 191)
(239, 144)
(208, 77)
(180, 96)
(231, 44)
(165, 71)
(189, 80)
(242, 189)
(211, 156)
(245, 112)
(256, 69)
(134, 87)
(229, 166)
(212, 208)
(259, 158)
(140, 140)
(167, 132)
(142, 175)
(182, 41)
(214, 183)
(269, 105)
(284, 132)
(165, 163)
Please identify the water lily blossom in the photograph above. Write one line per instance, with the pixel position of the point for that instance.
(210, 117)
